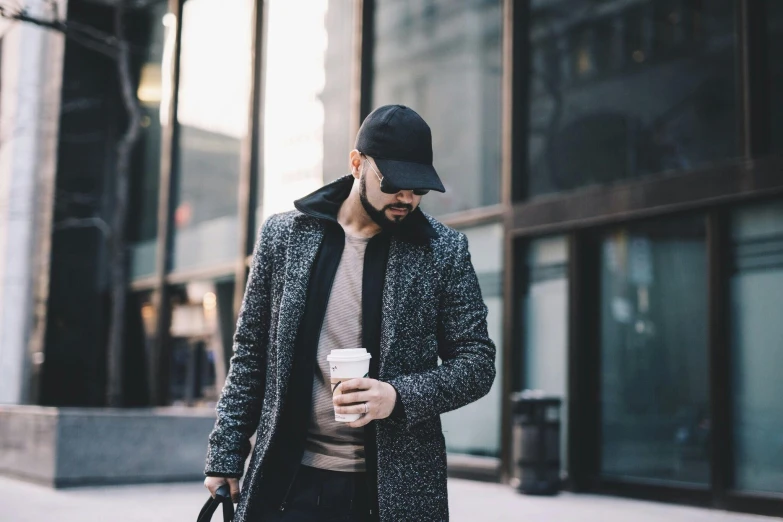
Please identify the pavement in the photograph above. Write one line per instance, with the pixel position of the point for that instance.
(469, 501)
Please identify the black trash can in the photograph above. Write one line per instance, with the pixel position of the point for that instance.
(536, 438)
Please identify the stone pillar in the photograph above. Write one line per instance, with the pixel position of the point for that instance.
(31, 73)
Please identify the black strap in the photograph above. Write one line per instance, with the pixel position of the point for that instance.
(222, 496)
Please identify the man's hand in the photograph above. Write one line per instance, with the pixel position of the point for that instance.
(213, 483)
(374, 399)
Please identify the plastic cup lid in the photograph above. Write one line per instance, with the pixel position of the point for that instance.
(349, 355)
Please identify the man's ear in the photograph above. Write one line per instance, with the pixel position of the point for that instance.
(355, 163)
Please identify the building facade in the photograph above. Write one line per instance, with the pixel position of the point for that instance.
(615, 164)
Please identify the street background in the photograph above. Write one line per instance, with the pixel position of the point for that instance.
(469, 501)
(616, 167)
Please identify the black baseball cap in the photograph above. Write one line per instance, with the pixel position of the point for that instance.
(400, 142)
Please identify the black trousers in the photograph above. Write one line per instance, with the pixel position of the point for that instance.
(319, 495)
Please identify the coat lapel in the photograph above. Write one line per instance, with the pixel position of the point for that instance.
(303, 244)
(403, 271)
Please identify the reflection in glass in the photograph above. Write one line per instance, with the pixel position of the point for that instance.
(140, 330)
(336, 93)
(475, 429)
(214, 99)
(443, 59)
(201, 332)
(757, 340)
(622, 89)
(307, 107)
(774, 18)
(145, 164)
(654, 366)
(546, 325)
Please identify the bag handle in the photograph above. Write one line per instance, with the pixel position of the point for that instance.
(222, 496)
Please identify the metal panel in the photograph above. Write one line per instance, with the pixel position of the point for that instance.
(222, 271)
(158, 359)
(474, 217)
(754, 97)
(252, 167)
(663, 194)
(513, 98)
(584, 362)
(718, 251)
(771, 505)
(366, 43)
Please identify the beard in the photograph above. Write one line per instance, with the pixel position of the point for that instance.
(379, 214)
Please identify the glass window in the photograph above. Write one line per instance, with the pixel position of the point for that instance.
(475, 429)
(337, 88)
(443, 59)
(145, 166)
(774, 17)
(545, 310)
(140, 335)
(202, 328)
(620, 90)
(757, 357)
(307, 110)
(654, 362)
(214, 100)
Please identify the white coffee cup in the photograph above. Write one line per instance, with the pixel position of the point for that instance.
(344, 365)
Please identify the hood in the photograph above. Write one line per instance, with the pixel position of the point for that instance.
(325, 202)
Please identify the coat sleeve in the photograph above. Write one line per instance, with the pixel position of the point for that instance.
(465, 349)
(239, 408)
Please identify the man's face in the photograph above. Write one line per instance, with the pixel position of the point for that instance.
(387, 210)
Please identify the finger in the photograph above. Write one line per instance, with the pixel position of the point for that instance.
(354, 408)
(212, 484)
(357, 384)
(350, 398)
(365, 420)
(233, 485)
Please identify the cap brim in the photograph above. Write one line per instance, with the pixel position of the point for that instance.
(410, 176)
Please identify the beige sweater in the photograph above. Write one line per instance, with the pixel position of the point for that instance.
(333, 445)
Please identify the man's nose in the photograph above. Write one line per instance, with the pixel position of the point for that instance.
(405, 196)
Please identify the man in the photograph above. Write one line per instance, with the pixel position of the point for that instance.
(358, 264)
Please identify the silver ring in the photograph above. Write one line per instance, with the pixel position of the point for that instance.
(366, 408)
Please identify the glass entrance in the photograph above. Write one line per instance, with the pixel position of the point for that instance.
(654, 371)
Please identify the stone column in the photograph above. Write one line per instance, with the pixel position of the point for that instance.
(31, 73)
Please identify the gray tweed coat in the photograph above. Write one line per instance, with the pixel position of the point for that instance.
(432, 308)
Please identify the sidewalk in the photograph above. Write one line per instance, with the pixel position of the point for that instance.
(470, 502)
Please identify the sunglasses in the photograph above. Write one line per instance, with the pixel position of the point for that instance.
(388, 188)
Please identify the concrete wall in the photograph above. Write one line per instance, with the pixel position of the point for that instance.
(31, 75)
(28, 441)
(64, 447)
